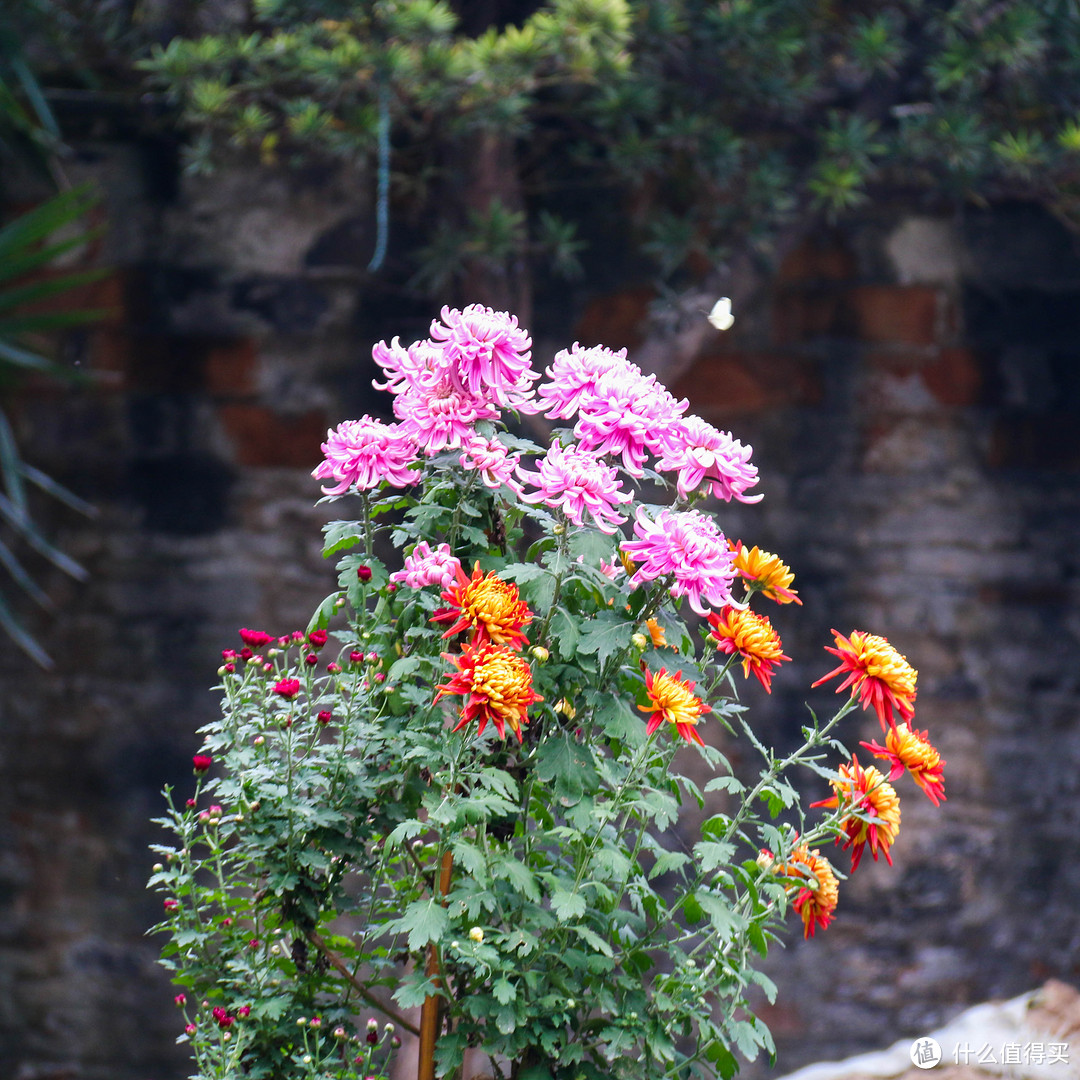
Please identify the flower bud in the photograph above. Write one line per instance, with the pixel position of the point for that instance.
(339, 1032)
(540, 653)
(157, 868)
(180, 1000)
(640, 641)
(201, 763)
(325, 716)
(333, 667)
(363, 573)
(558, 529)
(356, 656)
(477, 934)
(258, 740)
(571, 1003)
(190, 1029)
(339, 602)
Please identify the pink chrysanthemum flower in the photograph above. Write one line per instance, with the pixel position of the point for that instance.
(426, 567)
(703, 454)
(440, 415)
(490, 353)
(363, 453)
(575, 480)
(573, 374)
(689, 545)
(494, 462)
(625, 413)
(418, 365)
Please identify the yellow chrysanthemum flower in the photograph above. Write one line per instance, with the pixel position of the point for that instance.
(673, 700)
(765, 573)
(876, 673)
(868, 793)
(493, 608)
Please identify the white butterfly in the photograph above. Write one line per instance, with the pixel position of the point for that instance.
(721, 316)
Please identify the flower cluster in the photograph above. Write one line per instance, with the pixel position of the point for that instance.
(548, 590)
(492, 676)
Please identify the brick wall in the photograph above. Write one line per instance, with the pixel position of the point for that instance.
(910, 388)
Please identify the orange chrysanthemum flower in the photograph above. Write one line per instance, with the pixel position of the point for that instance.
(910, 749)
(819, 890)
(496, 683)
(752, 637)
(876, 673)
(673, 700)
(493, 608)
(865, 792)
(763, 572)
(656, 633)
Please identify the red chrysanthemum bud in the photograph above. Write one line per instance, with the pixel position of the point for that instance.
(255, 638)
(287, 688)
(333, 667)
(230, 668)
(317, 638)
(356, 656)
(180, 1000)
(246, 653)
(228, 654)
(190, 1029)
(363, 573)
(297, 635)
(171, 904)
(243, 1012)
(201, 762)
(325, 716)
(311, 659)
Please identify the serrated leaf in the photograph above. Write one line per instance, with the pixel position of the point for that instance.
(710, 854)
(504, 991)
(593, 940)
(424, 920)
(567, 905)
(667, 861)
(605, 635)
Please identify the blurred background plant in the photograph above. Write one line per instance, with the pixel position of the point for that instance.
(717, 128)
(32, 310)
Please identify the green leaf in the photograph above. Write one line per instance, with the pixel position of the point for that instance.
(723, 918)
(506, 1020)
(667, 861)
(593, 939)
(561, 760)
(424, 921)
(567, 905)
(504, 991)
(519, 875)
(340, 536)
(605, 635)
(710, 854)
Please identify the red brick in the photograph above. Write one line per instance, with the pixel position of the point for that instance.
(898, 360)
(817, 260)
(229, 368)
(262, 437)
(954, 378)
(724, 384)
(615, 320)
(802, 313)
(907, 314)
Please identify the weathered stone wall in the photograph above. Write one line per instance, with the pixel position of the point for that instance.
(910, 386)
